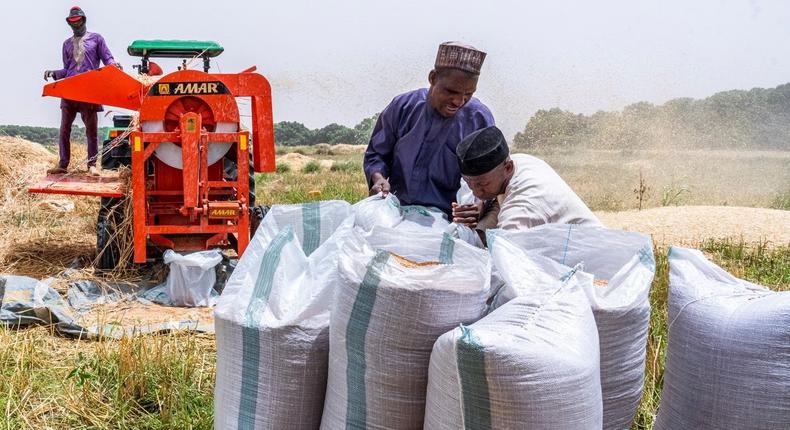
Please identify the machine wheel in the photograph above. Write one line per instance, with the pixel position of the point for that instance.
(108, 252)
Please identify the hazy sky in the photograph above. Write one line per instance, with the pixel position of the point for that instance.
(341, 61)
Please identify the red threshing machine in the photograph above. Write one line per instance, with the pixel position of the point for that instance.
(191, 163)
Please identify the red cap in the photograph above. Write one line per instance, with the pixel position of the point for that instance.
(75, 14)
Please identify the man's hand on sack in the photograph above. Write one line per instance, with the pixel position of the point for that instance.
(380, 184)
(467, 215)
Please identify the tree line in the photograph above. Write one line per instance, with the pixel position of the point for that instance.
(292, 133)
(286, 133)
(46, 135)
(755, 119)
(737, 119)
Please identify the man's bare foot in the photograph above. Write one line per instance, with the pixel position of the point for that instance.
(93, 171)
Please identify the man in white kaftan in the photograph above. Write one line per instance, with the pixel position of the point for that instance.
(519, 191)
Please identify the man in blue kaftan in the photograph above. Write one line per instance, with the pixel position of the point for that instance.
(412, 150)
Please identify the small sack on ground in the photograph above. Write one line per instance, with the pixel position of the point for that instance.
(192, 277)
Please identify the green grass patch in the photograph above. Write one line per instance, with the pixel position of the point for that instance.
(781, 201)
(283, 168)
(346, 166)
(312, 166)
(756, 263)
(141, 382)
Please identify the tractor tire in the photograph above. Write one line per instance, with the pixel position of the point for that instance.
(108, 252)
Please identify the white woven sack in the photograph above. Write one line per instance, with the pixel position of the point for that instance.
(387, 315)
(378, 210)
(531, 364)
(728, 361)
(464, 196)
(624, 260)
(191, 277)
(272, 320)
(420, 218)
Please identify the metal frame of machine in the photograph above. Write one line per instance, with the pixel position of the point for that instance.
(194, 207)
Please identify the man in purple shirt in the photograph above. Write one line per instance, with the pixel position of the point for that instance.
(412, 150)
(81, 53)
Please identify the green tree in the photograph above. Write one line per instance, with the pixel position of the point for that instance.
(757, 119)
(334, 133)
(292, 133)
(552, 128)
(364, 130)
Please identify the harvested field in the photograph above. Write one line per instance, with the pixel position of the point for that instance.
(607, 179)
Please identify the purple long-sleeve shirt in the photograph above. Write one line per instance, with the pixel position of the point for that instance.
(414, 147)
(96, 52)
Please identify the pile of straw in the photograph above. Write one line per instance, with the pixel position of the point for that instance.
(38, 242)
(21, 161)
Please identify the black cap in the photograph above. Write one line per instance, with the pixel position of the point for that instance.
(482, 151)
(75, 14)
